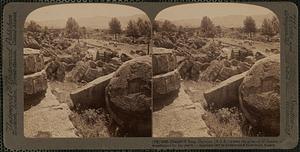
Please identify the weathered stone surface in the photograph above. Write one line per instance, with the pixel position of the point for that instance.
(243, 66)
(116, 61)
(128, 95)
(30, 42)
(163, 60)
(260, 95)
(240, 54)
(69, 67)
(93, 53)
(250, 60)
(227, 63)
(55, 71)
(180, 59)
(184, 69)
(33, 61)
(195, 71)
(227, 72)
(92, 94)
(125, 57)
(92, 73)
(226, 93)
(100, 63)
(66, 59)
(211, 73)
(235, 62)
(259, 55)
(165, 83)
(109, 68)
(201, 58)
(92, 64)
(35, 83)
(78, 72)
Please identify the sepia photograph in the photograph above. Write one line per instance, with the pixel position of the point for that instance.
(87, 72)
(150, 75)
(216, 71)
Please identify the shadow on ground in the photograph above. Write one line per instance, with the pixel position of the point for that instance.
(33, 100)
(161, 102)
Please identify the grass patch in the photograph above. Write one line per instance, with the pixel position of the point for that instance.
(93, 123)
(229, 122)
(225, 122)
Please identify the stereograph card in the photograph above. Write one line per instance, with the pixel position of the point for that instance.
(150, 75)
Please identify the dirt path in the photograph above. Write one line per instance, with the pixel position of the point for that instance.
(49, 118)
(181, 118)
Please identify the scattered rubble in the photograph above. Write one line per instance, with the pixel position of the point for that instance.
(55, 71)
(240, 54)
(212, 71)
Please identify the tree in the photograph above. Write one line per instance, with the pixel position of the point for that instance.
(34, 27)
(45, 31)
(218, 30)
(207, 27)
(267, 28)
(249, 26)
(141, 26)
(82, 31)
(155, 26)
(168, 26)
(132, 30)
(72, 29)
(180, 31)
(275, 24)
(115, 27)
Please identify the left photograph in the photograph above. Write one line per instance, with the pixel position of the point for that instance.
(87, 72)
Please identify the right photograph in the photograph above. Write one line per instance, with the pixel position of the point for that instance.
(216, 71)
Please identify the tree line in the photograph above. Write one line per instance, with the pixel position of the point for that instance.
(142, 28)
(269, 27)
(134, 29)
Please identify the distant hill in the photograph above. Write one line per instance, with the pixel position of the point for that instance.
(224, 21)
(100, 22)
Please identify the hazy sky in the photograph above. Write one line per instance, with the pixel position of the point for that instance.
(189, 11)
(63, 11)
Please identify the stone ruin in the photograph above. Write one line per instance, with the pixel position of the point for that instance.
(125, 93)
(35, 78)
(166, 78)
(128, 95)
(256, 91)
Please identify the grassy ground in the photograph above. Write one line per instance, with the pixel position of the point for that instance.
(225, 122)
(91, 123)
